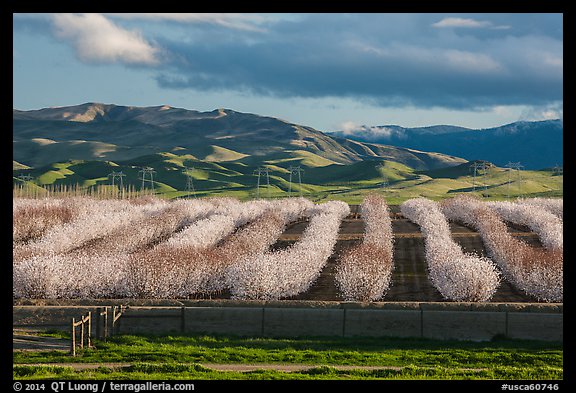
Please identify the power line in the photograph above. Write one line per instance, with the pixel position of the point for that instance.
(478, 166)
(260, 171)
(558, 170)
(511, 166)
(147, 171)
(189, 181)
(118, 175)
(298, 170)
(381, 166)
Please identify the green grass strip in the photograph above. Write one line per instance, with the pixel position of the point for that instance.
(147, 371)
(416, 358)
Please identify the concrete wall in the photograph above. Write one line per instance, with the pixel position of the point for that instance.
(294, 322)
(461, 321)
(376, 323)
(243, 321)
(48, 317)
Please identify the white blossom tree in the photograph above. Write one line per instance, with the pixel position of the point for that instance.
(284, 273)
(535, 271)
(457, 275)
(364, 272)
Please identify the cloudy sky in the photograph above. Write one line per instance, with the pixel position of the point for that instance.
(328, 71)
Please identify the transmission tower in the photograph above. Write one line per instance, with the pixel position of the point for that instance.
(189, 181)
(479, 166)
(384, 183)
(260, 171)
(294, 170)
(486, 172)
(147, 171)
(511, 166)
(559, 170)
(118, 175)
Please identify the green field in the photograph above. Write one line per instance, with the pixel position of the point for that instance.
(321, 179)
(182, 357)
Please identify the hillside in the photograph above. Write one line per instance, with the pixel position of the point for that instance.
(536, 145)
(397, 182)
(219, 151)
(94, 131)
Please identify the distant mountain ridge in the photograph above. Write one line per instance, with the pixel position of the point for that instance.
(107, 132)
(536, 145)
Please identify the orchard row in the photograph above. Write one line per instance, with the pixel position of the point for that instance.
(81, 247)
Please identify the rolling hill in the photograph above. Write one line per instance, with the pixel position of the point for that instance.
(219, 151)
(109, 132)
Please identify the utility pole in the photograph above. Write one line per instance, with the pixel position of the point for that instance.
(259, 172)
(298, 170)
(478, 166)
(487, 167)
(118, 175)
(559, 170)
(24, 179)
(517, 166)
(379, 167)
(147, 171)
(189, 181)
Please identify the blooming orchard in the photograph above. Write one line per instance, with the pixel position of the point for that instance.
(284, 273)
(457, 275)
(183, 268)
(79, 247)
(537, 272)
(364, 271)
(541, 221)
(140, 248)
(553, 205)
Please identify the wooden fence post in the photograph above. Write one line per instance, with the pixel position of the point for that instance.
(89, 329)
(73, 349)
(98, 315)
(85, 332)
(112, 332)
(82, 333)
(105, 323)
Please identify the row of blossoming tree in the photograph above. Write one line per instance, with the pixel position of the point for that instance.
(81, 247)
(536, 271)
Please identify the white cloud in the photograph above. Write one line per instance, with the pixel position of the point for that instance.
(502, 110)
(468, 61)
(467, 23)
(98, 40)
(553, 60)
(549, 112)
(234, 21)
(348, 127)
(385, 60)
(457, 60)
(370, 133)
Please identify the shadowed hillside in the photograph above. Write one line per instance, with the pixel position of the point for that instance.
(109, 132)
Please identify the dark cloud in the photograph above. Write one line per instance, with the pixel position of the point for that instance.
(469, 61)
(387, 59)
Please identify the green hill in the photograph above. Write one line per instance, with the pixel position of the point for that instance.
(110, 133)
(397, 182)
(220, 152)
